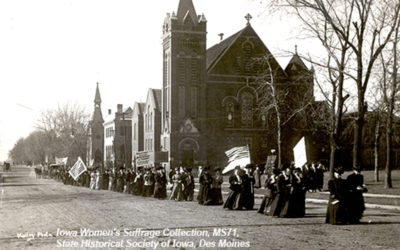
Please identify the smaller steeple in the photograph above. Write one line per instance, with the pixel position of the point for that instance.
(97, 98)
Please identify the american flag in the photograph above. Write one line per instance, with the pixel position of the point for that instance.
(237, 156)
(78, 168)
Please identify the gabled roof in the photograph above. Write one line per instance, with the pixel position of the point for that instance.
(155, 97)
(216, 51)
(186, 10)
(139, 106)
(295, 64)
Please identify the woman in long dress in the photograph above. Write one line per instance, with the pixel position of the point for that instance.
(356, 187)
(233, 200)
(205, 181)
(282, 193)
(216, 191)
(271, 189)
(337, 212)
(177, 189)
(160, 186)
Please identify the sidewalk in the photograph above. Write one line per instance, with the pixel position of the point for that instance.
(321, 201)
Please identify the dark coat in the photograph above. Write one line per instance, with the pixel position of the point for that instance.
(205, 181)
(356, 205)
(282, 196)
(336, 212)
(232, 201)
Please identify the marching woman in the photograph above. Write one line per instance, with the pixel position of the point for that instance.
(178, 187)
(297, 199)
(138, 190)
(189, 182)
(282, 194)
(356, 206)
(248, 188)
(205, 181)
(271, 190)
(92, 179)
(160, 186)
(99, 179)
(235, 181)
(215, 191)
(336, 212)
(148, 183)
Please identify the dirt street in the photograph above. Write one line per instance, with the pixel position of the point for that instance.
(45, 214)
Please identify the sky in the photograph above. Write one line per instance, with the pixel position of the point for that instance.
(54, 51)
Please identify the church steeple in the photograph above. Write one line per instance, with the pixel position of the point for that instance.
(186, 10)
(97, 115)
(97, 98)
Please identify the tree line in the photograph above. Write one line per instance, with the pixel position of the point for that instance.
(59, 132)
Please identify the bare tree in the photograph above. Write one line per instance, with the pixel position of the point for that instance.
(66, 130)
(365, 27)
(280, 101)
(389, 87)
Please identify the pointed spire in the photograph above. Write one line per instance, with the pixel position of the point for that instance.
(97, 98)
(185, 9)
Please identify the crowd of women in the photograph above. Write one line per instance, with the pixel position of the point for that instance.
(285, 188)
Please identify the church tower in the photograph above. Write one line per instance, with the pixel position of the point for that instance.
(184, 86)
(96, 132)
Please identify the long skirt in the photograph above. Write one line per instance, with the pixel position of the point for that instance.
(147, 191)
(177, 192)
(356, 206)
(233, 201)
(336, 212)
(278, 204)
(160, 191)
(215, 197)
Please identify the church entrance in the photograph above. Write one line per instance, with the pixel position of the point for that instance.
(187, 158)
(188, 148)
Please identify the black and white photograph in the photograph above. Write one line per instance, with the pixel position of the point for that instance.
(208, 124)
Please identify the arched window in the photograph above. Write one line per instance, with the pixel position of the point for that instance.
(230, 114)
(246, 100)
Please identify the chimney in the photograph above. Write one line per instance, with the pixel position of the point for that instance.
(119, 108)
(109, 111)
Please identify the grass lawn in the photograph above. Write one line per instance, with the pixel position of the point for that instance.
(375, 187)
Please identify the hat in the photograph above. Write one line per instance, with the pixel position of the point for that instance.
(339, 170)
(276, 171)
(357, 168)
(285, 166)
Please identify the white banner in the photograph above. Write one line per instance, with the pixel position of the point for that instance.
(142, 158)
(237, 156)
(61, 161)
(78, 168)
(300, 154)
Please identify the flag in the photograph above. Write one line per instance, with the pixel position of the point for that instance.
(237, 156)
(300, 154)
(78, 168)
(61, 161)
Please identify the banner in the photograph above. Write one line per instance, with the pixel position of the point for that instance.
(61, 161)
(300, 154)
(142, 158)
(237, 156)
(78, 168)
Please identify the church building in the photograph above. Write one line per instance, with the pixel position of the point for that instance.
(211, 98)
(96, 133)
